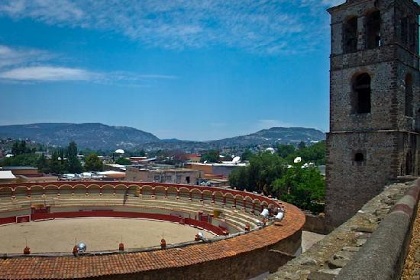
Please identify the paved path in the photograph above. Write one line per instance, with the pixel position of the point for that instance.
(60, 235)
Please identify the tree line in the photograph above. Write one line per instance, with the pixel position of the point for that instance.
(290, 174)
(62, 160)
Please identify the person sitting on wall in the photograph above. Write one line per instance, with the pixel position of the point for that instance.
(265, 213)
(280, 213)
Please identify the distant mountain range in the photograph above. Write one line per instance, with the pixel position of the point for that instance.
(285, 135)
(97, 136)
(86, 135)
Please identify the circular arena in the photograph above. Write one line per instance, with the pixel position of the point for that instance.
(226, 237)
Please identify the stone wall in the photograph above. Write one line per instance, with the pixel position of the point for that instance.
(315, 223)
(384, 254)
(350, 184)
(326, 259)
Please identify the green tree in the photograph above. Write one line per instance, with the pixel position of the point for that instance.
(22, 155)
(21, 160)
(16, 148)
(301, 145)
(315, 153)
(211, 156)
(238, 178)
(303, 187)
(141, 153)
(123, 161)
(20, 148)
(284, 151)
(265, 169)
(42, 164)
(246, 155)
(57, 162)
(93, 163)
(259, 175)
(73, 163)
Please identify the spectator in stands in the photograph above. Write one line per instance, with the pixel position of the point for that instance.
(280, 213)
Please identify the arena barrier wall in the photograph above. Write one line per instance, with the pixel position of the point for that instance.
(8, 220)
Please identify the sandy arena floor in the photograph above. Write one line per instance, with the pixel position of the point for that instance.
(98, 234)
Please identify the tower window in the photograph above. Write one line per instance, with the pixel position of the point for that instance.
(373, 30)
(359, 157)
(350, 35)
(361, 94)
(409, 96)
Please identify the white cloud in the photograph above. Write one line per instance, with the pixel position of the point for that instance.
(258, 26)
(17, 56)
(261, 26)
(45, 10)
(23, 64)
(13, 7)
(47, 73)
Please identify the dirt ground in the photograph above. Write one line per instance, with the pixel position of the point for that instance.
(99, 234)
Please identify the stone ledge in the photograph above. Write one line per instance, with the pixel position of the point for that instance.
(325, 259)
(384, 254)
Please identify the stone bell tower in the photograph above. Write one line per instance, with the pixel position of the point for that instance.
(374, 101)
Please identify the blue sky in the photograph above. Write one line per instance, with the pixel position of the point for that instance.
(186, 69)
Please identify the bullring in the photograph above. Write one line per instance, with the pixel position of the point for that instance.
(241, 254)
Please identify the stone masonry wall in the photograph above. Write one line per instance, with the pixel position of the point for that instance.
(350, 184)
(325, 259)
(384, 135)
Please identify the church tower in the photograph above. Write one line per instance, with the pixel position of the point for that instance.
(374, 101)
